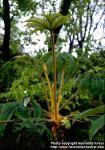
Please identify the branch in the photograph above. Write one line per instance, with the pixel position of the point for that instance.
(87, 20)
(80, 24)
(12, 17)
(91, 16)
(71, 39)
(98, 21)
(9, 121)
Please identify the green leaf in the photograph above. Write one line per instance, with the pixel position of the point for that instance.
(49, 22)
(97, 84)
(51, 18)
(22, 112)
(59, 21)
(96, 126)
(84, 81)
(37, 23)
(66, 123)
(90, 112)
(37, 109)
(93, 82)
(6, 113)
(63, 60)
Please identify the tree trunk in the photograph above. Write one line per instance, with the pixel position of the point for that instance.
(7, 27)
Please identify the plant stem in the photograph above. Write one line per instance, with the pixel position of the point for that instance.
(9, 121)
(60, 88)
(61, 82)
(54, 73)
(50, 91)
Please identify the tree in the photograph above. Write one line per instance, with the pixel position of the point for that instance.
(7, 25)
(82, 24)
(7, 16)
(11, 10)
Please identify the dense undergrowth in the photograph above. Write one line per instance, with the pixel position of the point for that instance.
(22, 79)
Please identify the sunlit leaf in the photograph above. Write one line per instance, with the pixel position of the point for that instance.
(49, 22)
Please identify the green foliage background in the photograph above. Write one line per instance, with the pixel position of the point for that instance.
(82, 90)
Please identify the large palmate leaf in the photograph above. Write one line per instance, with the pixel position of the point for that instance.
(37, 24)
(6, 113)
(96, 126)
(63, 60)
(49, 22)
